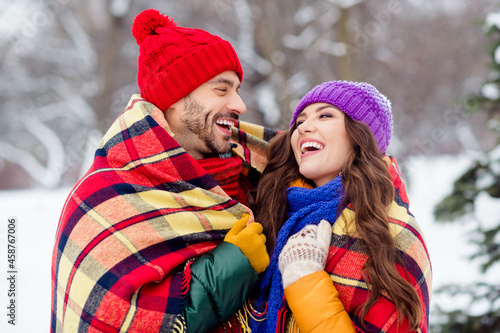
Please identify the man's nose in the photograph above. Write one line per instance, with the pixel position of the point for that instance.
(237, 105)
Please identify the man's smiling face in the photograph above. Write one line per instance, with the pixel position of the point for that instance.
(201, 121)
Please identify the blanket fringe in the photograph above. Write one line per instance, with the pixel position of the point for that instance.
(186, 277)
(291, 324)
(281, 322)
(186, 280)
(248, 313)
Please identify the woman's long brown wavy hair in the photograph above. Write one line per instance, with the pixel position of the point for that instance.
(369, 189)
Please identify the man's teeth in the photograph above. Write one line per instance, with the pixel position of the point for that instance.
(225, 122)
(315, 145)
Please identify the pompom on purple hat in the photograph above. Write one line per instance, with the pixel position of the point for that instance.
(360, 101)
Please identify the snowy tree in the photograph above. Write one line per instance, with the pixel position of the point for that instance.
(69, 67)
(60, 71)
(480, 183)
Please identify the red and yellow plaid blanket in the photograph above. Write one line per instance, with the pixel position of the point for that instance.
(348, 256)
(144, 208)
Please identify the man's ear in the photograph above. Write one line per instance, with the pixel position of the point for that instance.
(174, 106)
(172, 114)
(174, 109)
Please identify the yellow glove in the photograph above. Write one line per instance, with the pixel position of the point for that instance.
(250, 240)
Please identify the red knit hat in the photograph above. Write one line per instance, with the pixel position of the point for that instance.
(174, 61)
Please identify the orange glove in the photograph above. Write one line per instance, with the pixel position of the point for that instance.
(250, 240)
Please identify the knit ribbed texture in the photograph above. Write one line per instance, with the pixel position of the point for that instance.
(227, 174)
(306, 206)
(360, 101)
(174, 61)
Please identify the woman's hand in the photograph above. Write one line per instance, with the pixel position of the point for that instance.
(305, 252)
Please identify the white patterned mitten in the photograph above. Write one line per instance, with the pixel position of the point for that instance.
(305, 252)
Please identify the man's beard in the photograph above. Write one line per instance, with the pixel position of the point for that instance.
(203, 127)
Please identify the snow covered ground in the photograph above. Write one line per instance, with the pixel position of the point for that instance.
(37, 213)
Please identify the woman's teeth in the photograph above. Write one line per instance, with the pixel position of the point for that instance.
(308, 146)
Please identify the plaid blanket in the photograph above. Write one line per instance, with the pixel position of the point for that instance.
(347, 257)
(128, 227)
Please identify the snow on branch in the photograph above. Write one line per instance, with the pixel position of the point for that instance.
(493, 19)
(47, 175)
(245, 44)
(75, 101)
(266, 100)
(81, 40)
(311, 33)
(119, 8)
(346, 3)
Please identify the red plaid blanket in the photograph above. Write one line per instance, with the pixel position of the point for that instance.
(348, 255)
(129, 226)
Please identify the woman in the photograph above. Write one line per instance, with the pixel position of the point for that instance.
(330, 167)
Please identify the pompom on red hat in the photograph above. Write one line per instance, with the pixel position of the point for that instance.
(174, 61)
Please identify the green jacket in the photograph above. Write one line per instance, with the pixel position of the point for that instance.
(221, 280)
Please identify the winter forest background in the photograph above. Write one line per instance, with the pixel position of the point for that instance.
(68, 68)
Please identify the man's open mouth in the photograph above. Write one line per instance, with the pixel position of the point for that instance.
(225, 123)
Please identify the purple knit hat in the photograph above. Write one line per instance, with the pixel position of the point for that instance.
(360, 101)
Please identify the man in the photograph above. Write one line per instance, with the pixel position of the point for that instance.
(143, 242)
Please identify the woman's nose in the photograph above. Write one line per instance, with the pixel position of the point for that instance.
(305, 126)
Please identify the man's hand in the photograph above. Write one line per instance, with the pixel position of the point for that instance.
(250, 240)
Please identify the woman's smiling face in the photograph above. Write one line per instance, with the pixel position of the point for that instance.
(320, 142)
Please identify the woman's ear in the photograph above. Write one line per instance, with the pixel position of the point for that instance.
(387, 160)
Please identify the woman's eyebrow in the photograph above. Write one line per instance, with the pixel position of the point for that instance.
(321, 108)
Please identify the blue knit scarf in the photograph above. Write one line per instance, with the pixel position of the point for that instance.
(306, 206)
